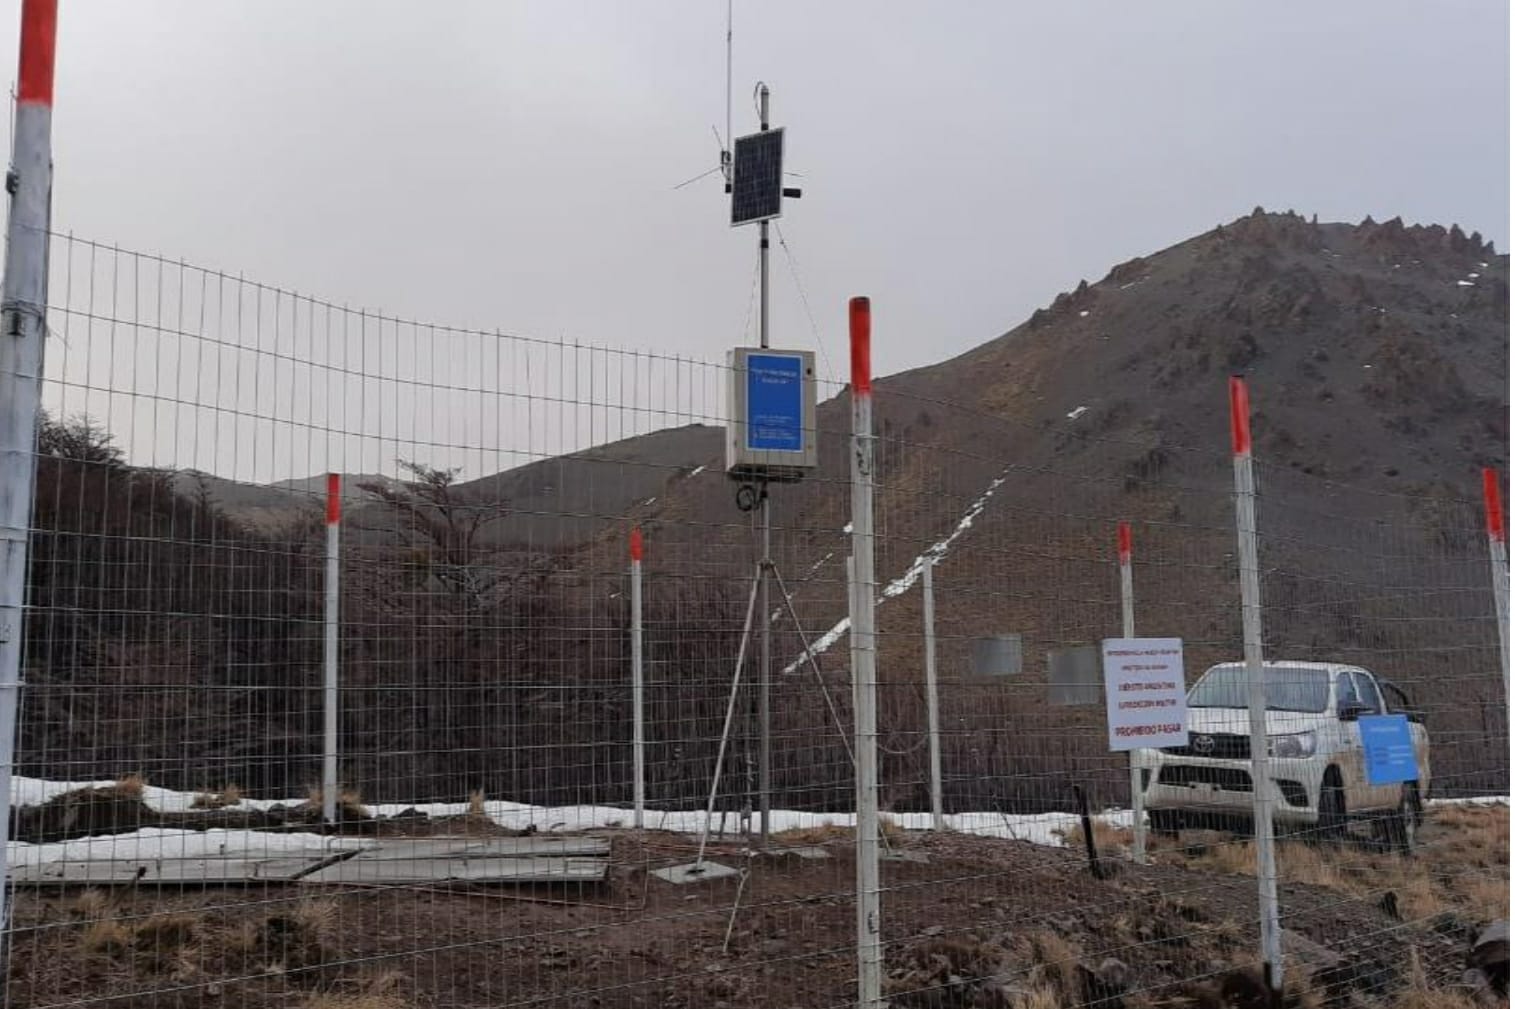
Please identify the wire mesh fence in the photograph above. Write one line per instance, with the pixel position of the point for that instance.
(171, 842)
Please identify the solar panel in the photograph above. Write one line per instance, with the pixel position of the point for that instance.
(757, 177)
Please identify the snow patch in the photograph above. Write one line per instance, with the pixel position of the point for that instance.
(1084, 314)
(1078, 412)
(1464, 283)
(932, 554)
(696, 472)
(151, 843)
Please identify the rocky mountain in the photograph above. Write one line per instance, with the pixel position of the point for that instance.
(1378, 359)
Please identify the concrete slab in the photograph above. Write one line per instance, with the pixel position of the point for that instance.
(691, 872)
(206, 871)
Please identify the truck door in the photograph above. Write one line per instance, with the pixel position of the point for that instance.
(1351, 758)
(1378, 796)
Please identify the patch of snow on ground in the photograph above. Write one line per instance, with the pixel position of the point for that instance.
(1078, 412)
(157, 842)
(1047, 828)
(1464, 283)
(1084, 314)
(696, 472)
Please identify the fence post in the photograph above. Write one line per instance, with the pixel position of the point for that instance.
(333, 648)
(1499, 563)
(22, 329)
(933, 712)
(1251, 637)
(1128, 630)
(870, 951)
(638, 728)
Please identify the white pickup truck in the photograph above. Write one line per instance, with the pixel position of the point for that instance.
(1317, 767)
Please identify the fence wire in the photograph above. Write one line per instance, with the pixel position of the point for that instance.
(171, 847)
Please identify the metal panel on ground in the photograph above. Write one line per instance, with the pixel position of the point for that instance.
(478, 860)
(206, 871)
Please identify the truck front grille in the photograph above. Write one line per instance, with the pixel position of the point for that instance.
(1227, 779)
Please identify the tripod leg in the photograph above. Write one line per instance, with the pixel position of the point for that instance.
(720, 753)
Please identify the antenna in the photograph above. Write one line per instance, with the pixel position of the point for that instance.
(726, 145)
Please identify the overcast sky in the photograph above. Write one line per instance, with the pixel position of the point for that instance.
(512, 165)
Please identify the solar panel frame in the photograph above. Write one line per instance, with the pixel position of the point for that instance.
(757, 177)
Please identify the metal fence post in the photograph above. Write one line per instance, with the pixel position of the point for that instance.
(933, 711)
(638, 728)
(1499, 564)
(870, 952)
(1128, 630)
(333, 654)
(22, 330)
(1251, 634)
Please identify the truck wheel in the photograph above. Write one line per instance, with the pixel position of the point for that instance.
(1332, 820)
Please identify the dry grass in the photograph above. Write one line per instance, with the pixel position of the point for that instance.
(1108, 840)
(230, 795)
(349, 801)
(106, 935)
(1056, 965)
(828, 832)
(476, 803)
(1418, 993)
(377, 992)
(131, 785)
(1462, 865)
(1039, 997)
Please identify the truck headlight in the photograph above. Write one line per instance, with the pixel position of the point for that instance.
(1299, 744)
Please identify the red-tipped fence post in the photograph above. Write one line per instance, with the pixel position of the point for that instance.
(870, 950)
(1128, 630)
(22, 329)
(1251, 640)
(1499, 563)
(638, 727)
(333, 654)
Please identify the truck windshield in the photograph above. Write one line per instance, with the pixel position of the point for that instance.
(1287, 688)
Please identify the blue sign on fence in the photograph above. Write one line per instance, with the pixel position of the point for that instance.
(1390, 752)
(775, 403)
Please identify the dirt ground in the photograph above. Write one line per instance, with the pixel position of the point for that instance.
(977, 923)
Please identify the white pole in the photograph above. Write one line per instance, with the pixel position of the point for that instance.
(333, 656)
(933, 712)
(870, 950)
(638, 728)
(1128, 630)
(1251, 636)
(1499, 565)
(22, 329)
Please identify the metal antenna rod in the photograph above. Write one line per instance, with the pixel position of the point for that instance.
(765, 655)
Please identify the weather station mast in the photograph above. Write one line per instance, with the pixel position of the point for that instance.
(770, 436)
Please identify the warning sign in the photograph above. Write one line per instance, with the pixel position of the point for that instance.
(1145, 703)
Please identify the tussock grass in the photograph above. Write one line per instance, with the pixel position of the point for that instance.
(1461, 866)
(229, 795)
(131, 785)
(828, 832)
